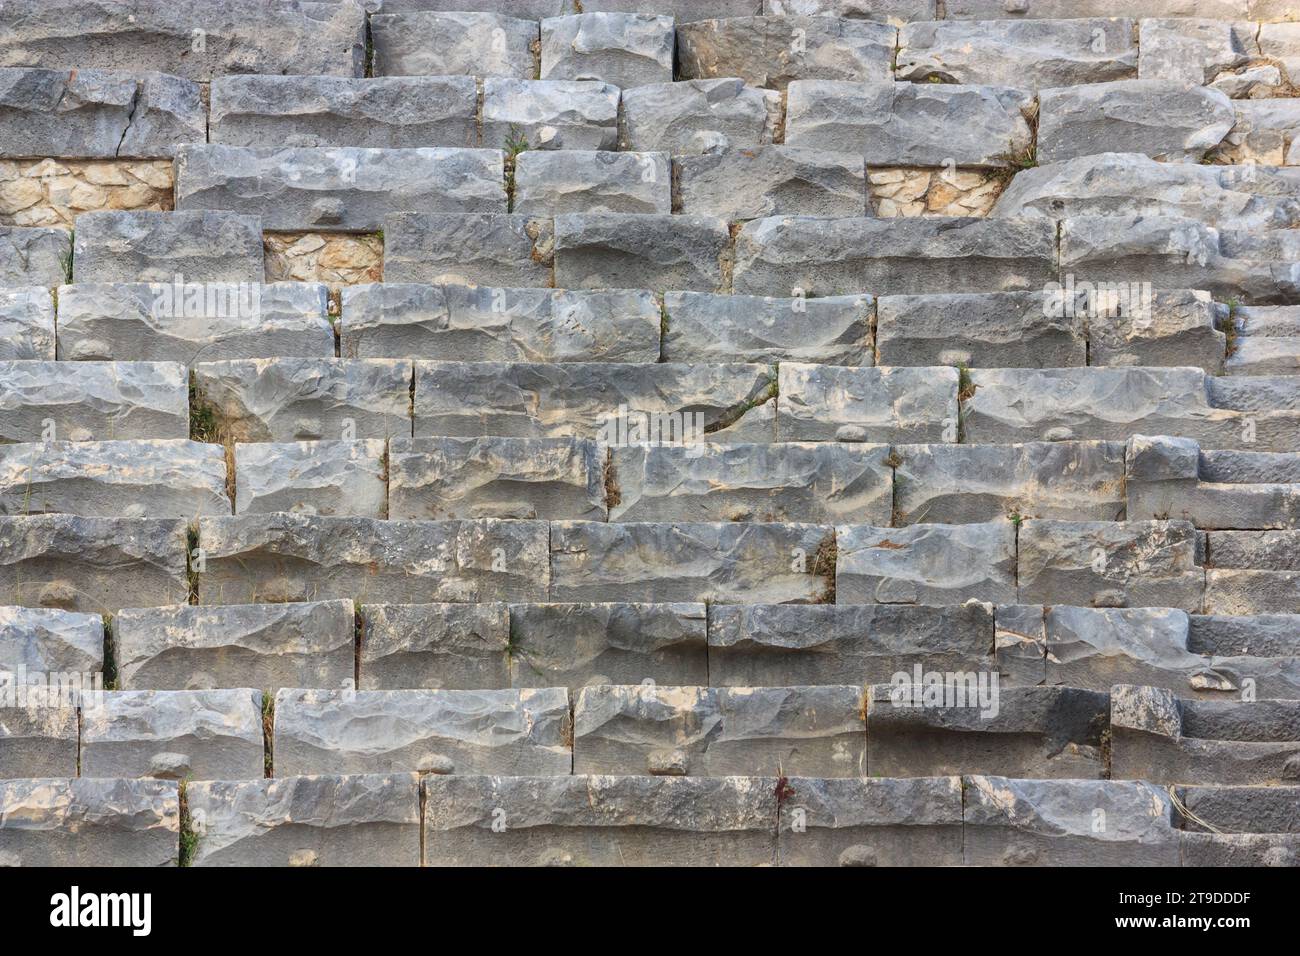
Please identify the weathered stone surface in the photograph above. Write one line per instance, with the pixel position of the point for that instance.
(312, 477)
(771, 181)
(1239, 849)
(1030, 54)
(887, 11)
(44, 401)
(627, 251)
(1270, 635)
(38, 739)
(1279, 44)
(435, 646)
(1265, 356)
(489, 477)
(720, 731)
(964, 484)
(1241, 810)
(765, 645)
(48, 641)
(1060, 9)
(169, 478)
(577, 645)
(906, 257)
(477, 249)
(36, 256)
(431, 731)
(682, 11)
(285, 557)
(434, 43)
(238, 36)
(771, 51)
(1110, 564)
(614, 402)
(184, 647)
(96, 565)
(1199, 49)
(911, 124)
(1253, 572)
(599, 821)
(870, 822)
(550, 114)
(359, 820)
(199, 245)
(702, 327)
(730, 562)
(1166, 328)
(622, 49)
(91, 113)
(383, 112)
(1066, 823)
(26, 324)
(817, 482)
(159, 322)
(340, 188)
(551, 182)
(998, 329)
(698, 116)
(83, 822)
(1020, 643)
(837, 403)
(174, 735)
(926, 564)
(306, 399)
(914, 730)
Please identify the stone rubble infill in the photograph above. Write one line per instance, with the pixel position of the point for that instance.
(284, 400)
(968, 484)
(312, 477)
(339, 188)
(767, 645)
(772, 51)
(576, 645)
(703, 327)
(910, 256)
(87, 113)
(771, 181)
(1055, 823)
(912, 124)
(1212, 489)
(162, 478)
(482, 323)
(38, 256)
(926, 564)
(430, 43)
(1159, 738)
(238, 36)
(623, 49)
(40, 739)
(629, 251)
(49, 640)
(435, 646)
(1266, 132)
(210, 322)
(1031, 732)
(698, 116)
(727, 562)
(720, 731)
(610, 401)
(1031, 54)
(83, 822)
(174, 735)
(838, 403)
(200, 245)
(549, 114)
(92, 401)
(1114, 404)
(552, 182)
(95, 565)
(184, 647)
(489, 477)
(599, 821)
(26, 324)
(1253, 572)
(870, 822)
(821, 483)
(285, 557)
(384, 112)
(478, 249)
(429, 731)
(354, 820)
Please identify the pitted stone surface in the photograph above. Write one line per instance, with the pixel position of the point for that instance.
(837, 403)
(698, 116)
(26, 324)
(623, 49)
(420, 42)
(771, 181)
(38, 256)
(49, 640)
(312, 477)
(549, 114)
(200, 246)
(552, 182)
(702, 327)
(628, 251)
(435, 646)
(471, 249)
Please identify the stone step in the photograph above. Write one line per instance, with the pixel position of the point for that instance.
(26, 324)
(1276, 635)
(551, 183)
(625, 250)
(1159, 738)
(169, 478)
(47, 641)
(623, 49)
(1263, 132)
(424, 42)
(549, 114)
(312, 477)
(1239, 810)
(836, 403)
(39, 739)
(431, 731)
(477, 249)
(771, 181)
(1261, 355)
(198, 245)
(698, 116)
(1241, 58)
(1253, 572)
(35, 256)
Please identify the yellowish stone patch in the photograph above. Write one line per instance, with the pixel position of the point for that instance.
(334, 259)
(933, 192)
(53, 192)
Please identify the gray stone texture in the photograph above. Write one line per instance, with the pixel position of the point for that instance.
(553, 182)
(50, 640)
(435, 646)
(34, 256)
(623, 49)
(199, 245)
(838, 403)
(549, 114)
(771, 181)
(26, 324)
(451, 43)
(312, 477)
(629, 251)
(470, 249)
(698, 116)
